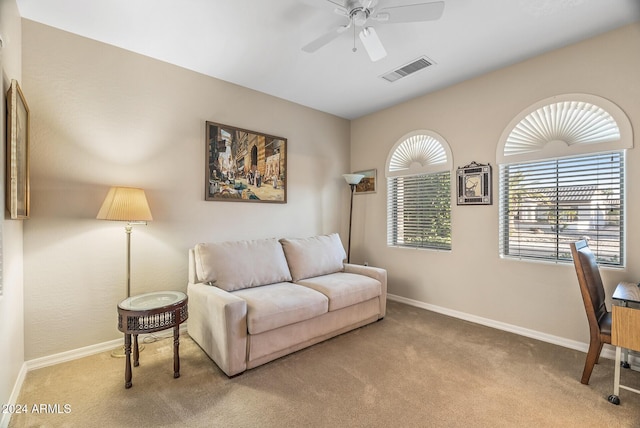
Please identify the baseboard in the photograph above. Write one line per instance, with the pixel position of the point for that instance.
(607, 352)
(74, 354)
(5, 418)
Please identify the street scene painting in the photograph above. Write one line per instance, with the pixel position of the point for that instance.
(244, 166)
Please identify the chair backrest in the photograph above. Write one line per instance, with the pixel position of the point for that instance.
(590, 282)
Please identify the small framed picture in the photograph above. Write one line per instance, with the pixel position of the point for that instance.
(17, 153)
(368, 182)
(474, 184)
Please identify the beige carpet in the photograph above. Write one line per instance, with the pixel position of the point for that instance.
(415, 368)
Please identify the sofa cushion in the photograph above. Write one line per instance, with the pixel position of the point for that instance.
(235, 265)
(277, 305)
(344, 289)
(315, 256)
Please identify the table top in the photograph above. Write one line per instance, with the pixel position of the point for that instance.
(627, 292)
(155, 300)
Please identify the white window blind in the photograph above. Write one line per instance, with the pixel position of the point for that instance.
(572, 122)
(419, 192)
(419, 211)
(546, 204)
(419, 149)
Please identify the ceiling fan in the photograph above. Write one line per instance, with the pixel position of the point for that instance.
(362, 13)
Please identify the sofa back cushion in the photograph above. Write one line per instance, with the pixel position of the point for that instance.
(235, 265)
(315, 256)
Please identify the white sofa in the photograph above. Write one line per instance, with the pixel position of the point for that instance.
(251, 302)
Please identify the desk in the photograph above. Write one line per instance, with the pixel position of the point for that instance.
(627, 292)
(625, 329)
(148, 313)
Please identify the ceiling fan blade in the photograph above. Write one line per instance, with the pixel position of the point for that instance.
(372, 44)
(341, 11)
(411, 13)
(339, 3)
(325, 39)
(369, 4)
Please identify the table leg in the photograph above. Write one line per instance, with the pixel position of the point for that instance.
(127, 367)
(176, 353)
(136, 351)
(614, 398)
(625, 359)
(616, 374)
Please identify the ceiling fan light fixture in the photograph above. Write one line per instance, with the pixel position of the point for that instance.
(359, 17)
(372, 44)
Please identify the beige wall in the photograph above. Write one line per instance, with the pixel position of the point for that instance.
(104, 116)
(471, 116)
(11, 300)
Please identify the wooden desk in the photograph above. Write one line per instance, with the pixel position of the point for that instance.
(148, 313)
(625, 329)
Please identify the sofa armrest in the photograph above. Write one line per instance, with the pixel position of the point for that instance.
(191, 271)
(375, 273)
(218, 323)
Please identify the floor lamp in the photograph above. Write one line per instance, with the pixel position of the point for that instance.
(130, 205)
(352, 180)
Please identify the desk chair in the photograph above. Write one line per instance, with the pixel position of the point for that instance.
(593, 296)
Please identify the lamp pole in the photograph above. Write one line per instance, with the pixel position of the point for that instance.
(353, 188)
(127, 230)
(352, 180)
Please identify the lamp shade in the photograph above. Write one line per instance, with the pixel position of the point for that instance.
(125, 204)
(353, 178)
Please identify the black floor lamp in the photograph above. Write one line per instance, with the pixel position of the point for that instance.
(352, 180)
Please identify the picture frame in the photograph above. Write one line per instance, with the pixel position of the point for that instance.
(244, 166)
(368, 183)
(17, 175)
(474, 184)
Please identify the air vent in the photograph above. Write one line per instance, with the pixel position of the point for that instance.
(417, 65)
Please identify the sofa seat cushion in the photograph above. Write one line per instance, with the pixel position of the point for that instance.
(277, 305)
(234, 265)
(315, 256)
(344, 289)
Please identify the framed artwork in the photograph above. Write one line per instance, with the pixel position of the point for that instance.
(17, 192)
(368, 182)
(474, 184)
(244, 166)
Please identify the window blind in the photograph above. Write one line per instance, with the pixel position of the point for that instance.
(546, 205)
(419, 211)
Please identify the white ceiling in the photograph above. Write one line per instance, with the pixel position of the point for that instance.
(257, 43)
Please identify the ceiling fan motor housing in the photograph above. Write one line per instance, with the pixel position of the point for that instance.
(359, 16)
(359, 11)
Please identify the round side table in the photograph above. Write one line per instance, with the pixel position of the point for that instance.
(148, 313)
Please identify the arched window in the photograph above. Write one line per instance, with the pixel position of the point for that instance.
(561, 167)
(418, 173)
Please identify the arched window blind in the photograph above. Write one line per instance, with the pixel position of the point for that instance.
(562, 166)
(418, 176)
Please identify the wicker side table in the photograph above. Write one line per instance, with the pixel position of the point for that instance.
(148, 313)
